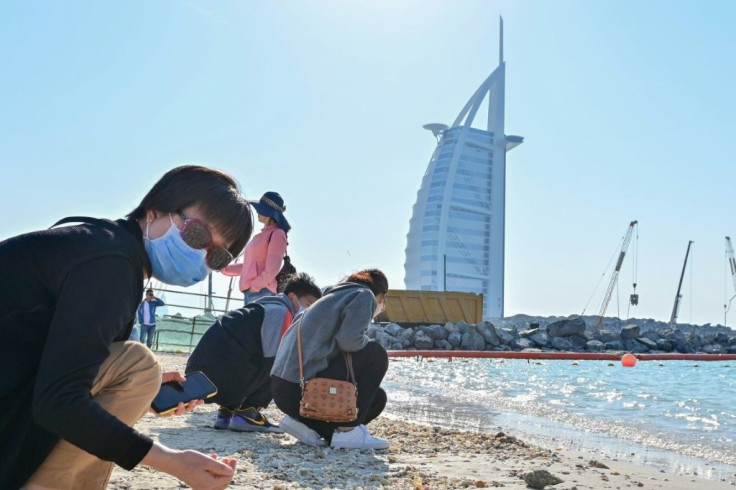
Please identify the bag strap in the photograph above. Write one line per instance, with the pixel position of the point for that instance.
(348, 357)
(78, 219)
(299, 348)
(287, 240)
(349, 362)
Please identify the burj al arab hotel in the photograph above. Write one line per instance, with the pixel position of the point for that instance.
(456, 232)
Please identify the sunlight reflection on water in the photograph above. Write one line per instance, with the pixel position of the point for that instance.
(671, 416)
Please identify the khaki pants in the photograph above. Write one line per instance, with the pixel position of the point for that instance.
(126, 384)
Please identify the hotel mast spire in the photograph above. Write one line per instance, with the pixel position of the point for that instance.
(456, 236)
(500, 40)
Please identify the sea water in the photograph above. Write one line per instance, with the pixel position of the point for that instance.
(678, 416)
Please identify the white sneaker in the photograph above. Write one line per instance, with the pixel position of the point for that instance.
(302, 432)
(358, 438)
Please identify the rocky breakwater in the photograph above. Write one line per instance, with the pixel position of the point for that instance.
(573, 334)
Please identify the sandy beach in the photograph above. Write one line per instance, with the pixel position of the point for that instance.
(420, 457)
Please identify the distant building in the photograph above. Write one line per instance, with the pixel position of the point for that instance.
(456, 232)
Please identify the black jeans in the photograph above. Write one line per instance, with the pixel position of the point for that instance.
(369, 364)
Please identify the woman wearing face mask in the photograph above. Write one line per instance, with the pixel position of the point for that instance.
(72, 386)
(264, 254)
(335, 324)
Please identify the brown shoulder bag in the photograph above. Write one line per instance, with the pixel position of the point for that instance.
(326, 399)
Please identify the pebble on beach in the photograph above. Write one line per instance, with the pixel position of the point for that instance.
(540, 479)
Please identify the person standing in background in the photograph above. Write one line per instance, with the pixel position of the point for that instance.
(264, 254)
(147, 317)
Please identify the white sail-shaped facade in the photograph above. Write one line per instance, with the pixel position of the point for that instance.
(456, 232)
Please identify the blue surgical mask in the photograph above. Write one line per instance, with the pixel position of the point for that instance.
(173, 261)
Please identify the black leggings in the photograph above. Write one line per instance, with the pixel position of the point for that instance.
(369, 364)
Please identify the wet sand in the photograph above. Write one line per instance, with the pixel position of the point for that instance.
(420, 457)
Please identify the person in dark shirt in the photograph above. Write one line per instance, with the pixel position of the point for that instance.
(238, 350)
(72, 385)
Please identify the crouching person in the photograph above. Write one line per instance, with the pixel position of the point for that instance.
(237, 353)
(335, 324)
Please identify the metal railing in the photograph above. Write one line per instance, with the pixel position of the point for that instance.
(158, 346)
(170, 339)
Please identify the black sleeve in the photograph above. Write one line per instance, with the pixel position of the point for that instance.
(94, 305)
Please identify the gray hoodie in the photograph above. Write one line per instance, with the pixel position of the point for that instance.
(336, 322)
(275, 308)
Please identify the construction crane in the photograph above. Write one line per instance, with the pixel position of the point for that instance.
(678, 296)
(614, 277)
(732, 265)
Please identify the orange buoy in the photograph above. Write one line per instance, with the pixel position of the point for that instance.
(628, 360)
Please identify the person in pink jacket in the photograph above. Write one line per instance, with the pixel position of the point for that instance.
(264, 254)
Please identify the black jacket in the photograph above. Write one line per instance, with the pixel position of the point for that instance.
(232, 353)
(65, 295)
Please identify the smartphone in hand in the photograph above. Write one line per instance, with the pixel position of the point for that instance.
(196, 387)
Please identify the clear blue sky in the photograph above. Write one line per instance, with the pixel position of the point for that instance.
(627, 109)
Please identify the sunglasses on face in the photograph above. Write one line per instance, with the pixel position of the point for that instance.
(196, 234)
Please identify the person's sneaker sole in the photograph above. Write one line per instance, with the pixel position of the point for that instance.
(250, 425)
(222, 423)
(361, 447)
(359, 438)
(302, 432)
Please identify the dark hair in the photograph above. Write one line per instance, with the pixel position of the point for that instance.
(214, 192)
(149, 290)
(302, 284)
(373, 278)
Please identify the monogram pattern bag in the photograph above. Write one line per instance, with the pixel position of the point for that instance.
(326, 399)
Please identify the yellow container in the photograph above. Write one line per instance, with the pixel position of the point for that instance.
(425, 307)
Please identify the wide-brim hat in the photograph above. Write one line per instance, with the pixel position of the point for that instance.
(271, 204)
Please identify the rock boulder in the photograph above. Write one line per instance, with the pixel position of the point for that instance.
(565, 328)
(629, 332)
(473, 340)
